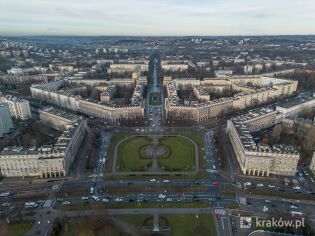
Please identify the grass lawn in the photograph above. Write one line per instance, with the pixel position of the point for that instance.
(182, 154)
(117, 205)
(187, 225)
(180, 225)
(197, 176)
(119, 136)
(135, 220)
(113, 141)
(155, 99)
(92, 225)
(15, 229)
(231, 205)
(291, 195)
(128, 154)
(198, 138)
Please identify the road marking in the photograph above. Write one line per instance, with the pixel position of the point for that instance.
(222, 224)
(220, 212)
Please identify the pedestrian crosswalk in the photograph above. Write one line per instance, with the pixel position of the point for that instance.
(220, 211)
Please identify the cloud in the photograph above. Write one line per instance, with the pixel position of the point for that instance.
(158, 17)
(52, 28)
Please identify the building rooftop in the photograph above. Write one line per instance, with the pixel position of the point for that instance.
(246, 138)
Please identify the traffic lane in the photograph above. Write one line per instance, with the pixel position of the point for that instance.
(284, 206)
(144, 198)
(89, 182)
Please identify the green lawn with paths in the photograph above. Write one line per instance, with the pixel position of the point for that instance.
(128, 154)
(198, 138)
(182, 154)
(155, 99)
(180, 225)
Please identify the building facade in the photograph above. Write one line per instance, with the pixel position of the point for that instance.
(250, 92)
(19, 108)
(6, 123)
(259, 159)
(312, 164)
(48, 161)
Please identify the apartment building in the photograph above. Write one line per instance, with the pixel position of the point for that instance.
(56, 118)
(19, 108)
(312, 164)
(48, 161)
(6, 123)
(259, 159)
(251, 92)
(108, 94)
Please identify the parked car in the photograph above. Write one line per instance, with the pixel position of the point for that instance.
(265, 209)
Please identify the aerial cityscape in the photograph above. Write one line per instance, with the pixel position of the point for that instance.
(156, 128)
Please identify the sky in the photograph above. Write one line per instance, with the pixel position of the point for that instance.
(157, 17)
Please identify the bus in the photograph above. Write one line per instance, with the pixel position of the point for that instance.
(296, 214)
(30, 204)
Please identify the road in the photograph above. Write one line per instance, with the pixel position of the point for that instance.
(155, 113)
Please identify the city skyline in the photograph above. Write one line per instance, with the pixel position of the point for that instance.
(146, 18)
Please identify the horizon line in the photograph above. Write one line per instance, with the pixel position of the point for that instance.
(222, 35)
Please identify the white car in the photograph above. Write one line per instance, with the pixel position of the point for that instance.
(293, 207)
(260, 185)
(66, 203)
(247, 184)
(296, 187)
(152, 180)
(271, 186)
(95, 198)
(162, 196)
(166, 181)
(265, 209)
(6, 204)
(169, 199)
(105, 200)
(84, 198)
(118, 199)
(267, 201)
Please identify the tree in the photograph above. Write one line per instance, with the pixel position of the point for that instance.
(276, 132)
